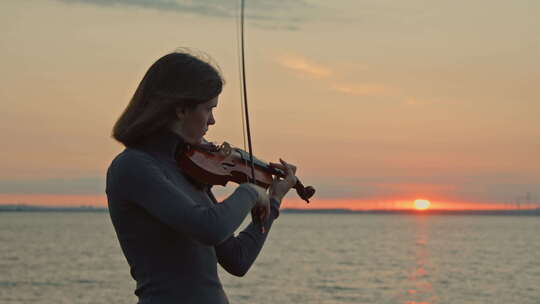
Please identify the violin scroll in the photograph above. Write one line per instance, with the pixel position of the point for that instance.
(305, 193)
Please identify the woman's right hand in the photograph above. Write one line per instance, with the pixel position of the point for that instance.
(261, 210)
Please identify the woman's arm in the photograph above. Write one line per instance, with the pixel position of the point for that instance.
(135, 177)
(237, 253)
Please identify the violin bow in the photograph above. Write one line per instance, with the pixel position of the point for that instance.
(254, 214)
(244, 89)
(304, 192)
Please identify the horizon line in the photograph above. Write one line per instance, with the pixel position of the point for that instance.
(28, 207)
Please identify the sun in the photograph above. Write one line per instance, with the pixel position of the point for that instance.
(421, 204)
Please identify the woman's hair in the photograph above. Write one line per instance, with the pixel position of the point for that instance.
(178, 79)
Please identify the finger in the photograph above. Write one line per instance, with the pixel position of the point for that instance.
(283, 171)
(258, 220)
(292, 180)
(257, 217)
(263, 215)
(272, 187)
(283, 168)
(254, 216)
(265, 210)
(278, 166)
(290, 167)
(283, 165)
(291, 177)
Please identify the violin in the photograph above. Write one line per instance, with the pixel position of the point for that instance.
(217, 165)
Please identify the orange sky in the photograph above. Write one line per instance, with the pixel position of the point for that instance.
(377, 102)
(295, 203)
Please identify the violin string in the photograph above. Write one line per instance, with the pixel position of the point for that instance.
(240, 83)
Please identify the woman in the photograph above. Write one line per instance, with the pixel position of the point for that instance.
(171, 229)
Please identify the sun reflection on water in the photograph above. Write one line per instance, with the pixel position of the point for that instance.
(421, 290)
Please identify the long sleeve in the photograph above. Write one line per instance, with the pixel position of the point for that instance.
(136, 177)
(237, 253)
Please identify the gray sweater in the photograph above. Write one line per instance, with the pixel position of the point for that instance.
(172, 231)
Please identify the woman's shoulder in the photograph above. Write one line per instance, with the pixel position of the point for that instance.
(130, 158)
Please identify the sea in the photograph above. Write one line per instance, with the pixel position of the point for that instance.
(74, 257)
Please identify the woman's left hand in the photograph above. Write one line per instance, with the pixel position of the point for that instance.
(279, 187)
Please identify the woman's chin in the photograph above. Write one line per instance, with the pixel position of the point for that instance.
(197, 141)
(194, 140)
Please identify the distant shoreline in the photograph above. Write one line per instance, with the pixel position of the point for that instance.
(33, 208)
(518, 212)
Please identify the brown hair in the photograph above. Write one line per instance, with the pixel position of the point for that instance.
(178, 79)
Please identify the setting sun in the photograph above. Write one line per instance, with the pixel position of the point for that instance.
(421, 204)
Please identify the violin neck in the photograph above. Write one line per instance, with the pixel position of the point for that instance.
(258, 163)
(304, 192)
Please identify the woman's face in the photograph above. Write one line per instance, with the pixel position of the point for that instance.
(193, 123)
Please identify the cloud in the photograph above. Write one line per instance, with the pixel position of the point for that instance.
(275, 14)
(306, 67)
(303, 66)
(372, 90)
(86, 185)
(209, 8)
